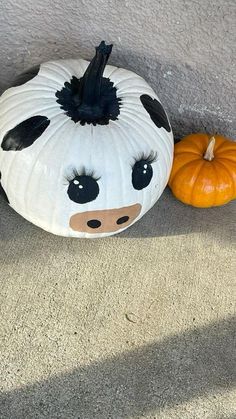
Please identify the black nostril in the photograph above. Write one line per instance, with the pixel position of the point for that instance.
(122, 220)
(94, 223)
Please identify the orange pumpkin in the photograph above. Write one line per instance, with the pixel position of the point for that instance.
(204, 170)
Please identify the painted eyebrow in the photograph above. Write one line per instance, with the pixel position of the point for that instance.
(83, 172)
(148, 157)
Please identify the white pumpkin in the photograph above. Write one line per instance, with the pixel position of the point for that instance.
(85, 149)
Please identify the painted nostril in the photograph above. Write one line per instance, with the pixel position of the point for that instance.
(94, 223)
(122, 220)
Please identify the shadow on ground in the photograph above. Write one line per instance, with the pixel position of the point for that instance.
(196, 363)
(168, 217)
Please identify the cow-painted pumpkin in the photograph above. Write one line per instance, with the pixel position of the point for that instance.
(204, 170)
(85, 148)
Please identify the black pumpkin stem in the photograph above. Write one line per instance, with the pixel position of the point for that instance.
(90, 88)
(92, 99)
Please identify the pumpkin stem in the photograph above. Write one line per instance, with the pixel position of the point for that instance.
(92, 79)
(92, 99)
(209, 154)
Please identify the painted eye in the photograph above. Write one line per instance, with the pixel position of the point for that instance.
(142, 174)
(83, 189)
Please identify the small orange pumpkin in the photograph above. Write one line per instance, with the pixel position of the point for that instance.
(204, 170)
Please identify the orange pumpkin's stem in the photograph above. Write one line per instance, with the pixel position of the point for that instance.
(209, 154)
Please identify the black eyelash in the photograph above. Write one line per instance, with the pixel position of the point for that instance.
(84, 172)
(149, 158)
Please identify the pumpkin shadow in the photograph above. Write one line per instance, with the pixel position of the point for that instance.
(161, 375)
(168, 217)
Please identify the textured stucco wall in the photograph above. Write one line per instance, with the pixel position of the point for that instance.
(185, 49)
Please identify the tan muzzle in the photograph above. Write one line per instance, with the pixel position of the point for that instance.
(104, 221)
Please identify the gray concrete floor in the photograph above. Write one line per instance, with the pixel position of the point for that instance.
(139, 325)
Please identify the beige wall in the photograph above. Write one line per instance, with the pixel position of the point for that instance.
(184, 48)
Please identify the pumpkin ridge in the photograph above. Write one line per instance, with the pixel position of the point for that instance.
(229, 174)
(195, 182)
(55, 105)
(192, 144)
(137, 88)
(30, 88)
(231, 160)
(216, 190)
(127, 104)
(179, 153)
(129, 95)
(18, 93)
(183, 167)
(147, 122)
(56, 207)
(57, 66)
(218, 146)
(121, 166)
(45, 76)
(123, 80)
(130, 120)
(30, 174)
(112, 72)
(221, 154)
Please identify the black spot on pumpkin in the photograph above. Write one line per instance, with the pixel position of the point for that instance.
(25, 133)
(156, 112)
(2, 192)
(26, 76)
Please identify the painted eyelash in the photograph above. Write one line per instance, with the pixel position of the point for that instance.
(84, 172)
(149, 158)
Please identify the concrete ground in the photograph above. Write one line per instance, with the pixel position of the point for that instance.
(140, 325)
